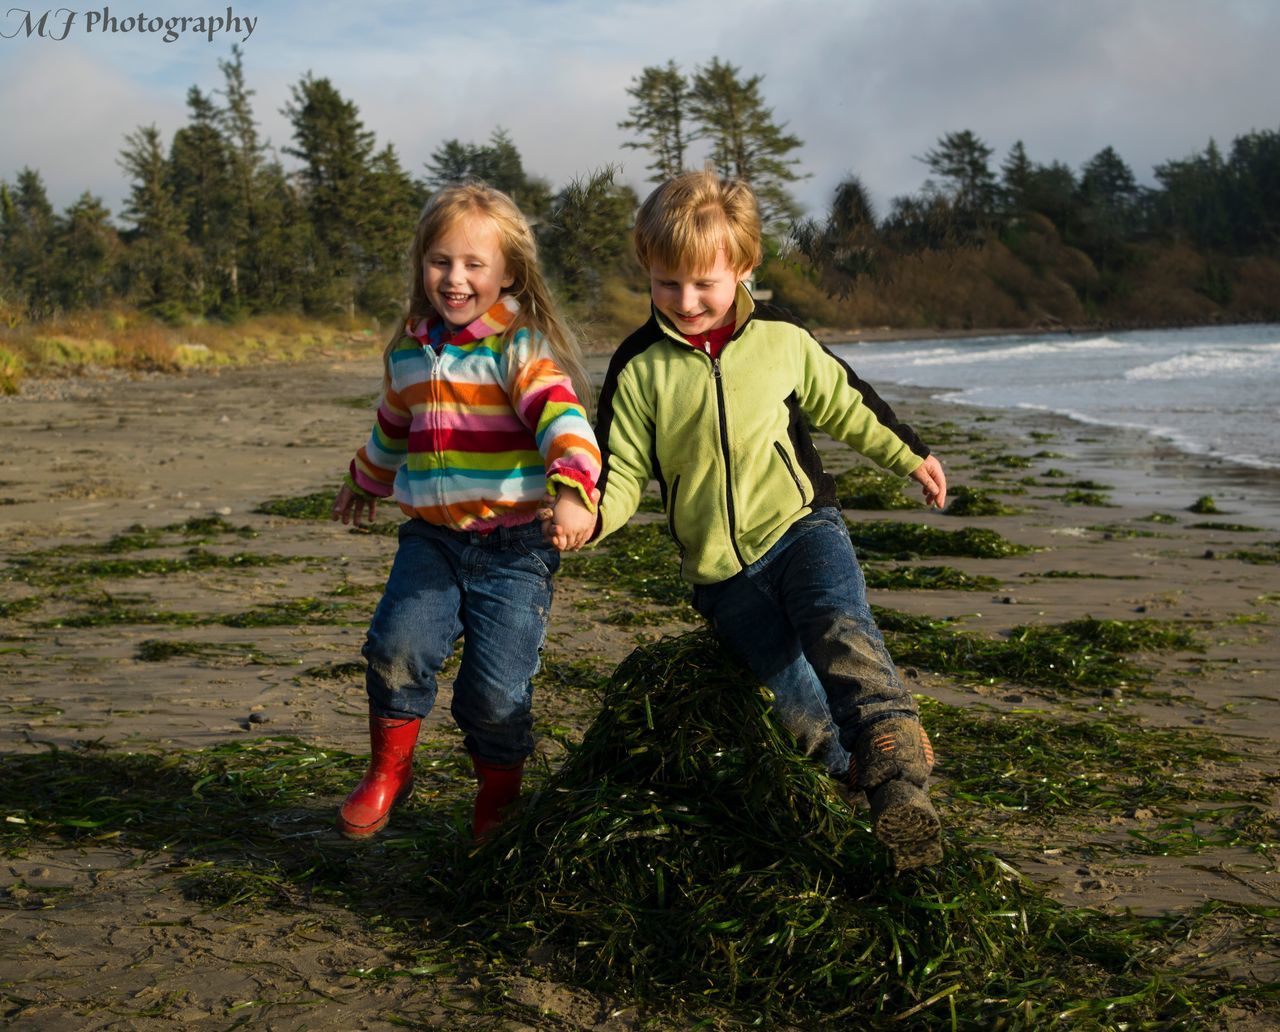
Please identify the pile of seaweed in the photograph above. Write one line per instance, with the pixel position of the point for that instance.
(686, 853)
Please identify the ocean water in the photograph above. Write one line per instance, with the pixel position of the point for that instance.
(1212, 392)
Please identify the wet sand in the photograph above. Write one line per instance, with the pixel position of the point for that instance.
(93, 937)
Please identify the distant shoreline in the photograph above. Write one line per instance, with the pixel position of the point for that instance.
(885, 334)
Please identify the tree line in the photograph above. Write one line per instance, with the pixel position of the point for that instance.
(215, 225)
(1224, 206)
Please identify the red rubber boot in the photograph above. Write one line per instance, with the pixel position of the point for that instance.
(388, 780)
(499, 786)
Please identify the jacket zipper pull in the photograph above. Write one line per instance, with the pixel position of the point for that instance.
(715, 368)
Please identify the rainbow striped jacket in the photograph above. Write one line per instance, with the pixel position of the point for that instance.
(474, 430)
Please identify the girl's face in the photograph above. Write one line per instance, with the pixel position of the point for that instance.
(464, 271)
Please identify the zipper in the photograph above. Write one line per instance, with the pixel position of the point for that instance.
(786, 461)
(728, 470)
(433, 421)
(671, 513)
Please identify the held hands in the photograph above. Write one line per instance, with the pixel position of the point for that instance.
(349, 506)
(567, 523)
(933, 481)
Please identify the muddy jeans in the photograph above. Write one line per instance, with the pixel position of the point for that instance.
(798, 618)
(496, 589)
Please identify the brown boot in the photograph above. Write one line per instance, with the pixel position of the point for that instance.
(388, 780)
(891, 762)
(498, 789)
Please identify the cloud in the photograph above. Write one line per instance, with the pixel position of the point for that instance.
(1154, 81)
(866, 84)
(68, 117)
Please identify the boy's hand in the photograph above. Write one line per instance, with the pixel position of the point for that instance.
(567, 523)
(348, 507)
(934, 482)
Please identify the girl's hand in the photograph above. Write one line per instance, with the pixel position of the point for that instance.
(933, 480)
(567, 524)
(349, 506)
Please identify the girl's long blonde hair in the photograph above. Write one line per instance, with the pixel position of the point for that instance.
(520, 252)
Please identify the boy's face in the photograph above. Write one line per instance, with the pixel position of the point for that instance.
(464, 271)
(696, 301)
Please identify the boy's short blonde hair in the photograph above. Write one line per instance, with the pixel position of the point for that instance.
(688, 219)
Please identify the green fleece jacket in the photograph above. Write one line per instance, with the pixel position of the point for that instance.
(728, 440)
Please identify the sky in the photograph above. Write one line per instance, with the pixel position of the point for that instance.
(867, 85)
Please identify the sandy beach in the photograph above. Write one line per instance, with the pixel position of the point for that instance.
(96, 933)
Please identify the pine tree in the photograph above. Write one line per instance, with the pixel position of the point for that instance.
(1108, 199)
(201, 175)
(1051, 190)
(1105, 179)
(1252, 175)
(395, 200)
(87, 254)
(26, 245)
(746, 142)
(279, 263)
(961, 160)
(160, 262)
(847, 245)
(1015, 178)
(12, 297)
(584, 238)
(245, 152)
(335, 150)
(498, 164)
(659, 116)
(453, 162)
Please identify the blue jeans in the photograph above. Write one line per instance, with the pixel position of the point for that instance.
(798, 618)
(495, 589)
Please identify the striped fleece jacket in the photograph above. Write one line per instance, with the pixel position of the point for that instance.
(474, 430)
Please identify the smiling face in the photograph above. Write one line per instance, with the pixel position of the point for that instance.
(696, 301)
(464, 271)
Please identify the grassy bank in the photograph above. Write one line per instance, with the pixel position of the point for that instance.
(125, 339)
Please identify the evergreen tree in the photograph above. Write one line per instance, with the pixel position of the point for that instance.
(961, 161)
(12, 298)
(279, 263)
(1253, 190)
(496, 163)
(746, 143)
(923, 222)
(335, 150)
(200, 171)
(1108, 204)
(1051, 190)
(395, 200)
(26, 245)
(1186, 206)
(87, 253)
(246, 158)
(161, 264)
(1105, 179)
(1015, 178)
(659, 116)
(847, 245)
(584, 239)
(453, 162)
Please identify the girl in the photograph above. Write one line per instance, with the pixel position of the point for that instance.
(481, 420)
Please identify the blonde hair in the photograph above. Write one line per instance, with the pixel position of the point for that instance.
(685, 222)
(537, 312)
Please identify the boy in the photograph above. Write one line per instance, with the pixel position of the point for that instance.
(712, 397)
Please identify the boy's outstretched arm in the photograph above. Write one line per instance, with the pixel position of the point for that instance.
(933, 481)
